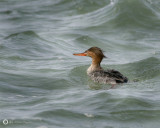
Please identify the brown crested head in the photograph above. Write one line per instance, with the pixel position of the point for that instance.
(95, 52)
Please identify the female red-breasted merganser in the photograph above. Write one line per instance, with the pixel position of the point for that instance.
(96, 72)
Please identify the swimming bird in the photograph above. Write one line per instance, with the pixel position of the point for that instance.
(97, 73)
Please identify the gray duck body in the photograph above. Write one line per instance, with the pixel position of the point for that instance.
(108, 77)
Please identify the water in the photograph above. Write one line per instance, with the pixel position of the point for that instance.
(42, 85)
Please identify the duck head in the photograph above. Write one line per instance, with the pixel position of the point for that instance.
(96, 54)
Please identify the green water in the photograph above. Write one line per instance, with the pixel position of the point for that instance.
(42, 85)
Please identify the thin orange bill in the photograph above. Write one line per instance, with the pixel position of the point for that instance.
(80, 54)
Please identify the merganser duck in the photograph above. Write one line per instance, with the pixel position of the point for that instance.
(97, 73)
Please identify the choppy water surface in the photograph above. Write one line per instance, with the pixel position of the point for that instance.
(42, 85)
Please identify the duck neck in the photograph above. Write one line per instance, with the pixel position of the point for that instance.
(95, 65)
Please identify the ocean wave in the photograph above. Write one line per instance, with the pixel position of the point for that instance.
(41, 79)
(123, 13)
(27, 45)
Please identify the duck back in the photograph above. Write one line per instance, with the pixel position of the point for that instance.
(108, 77)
